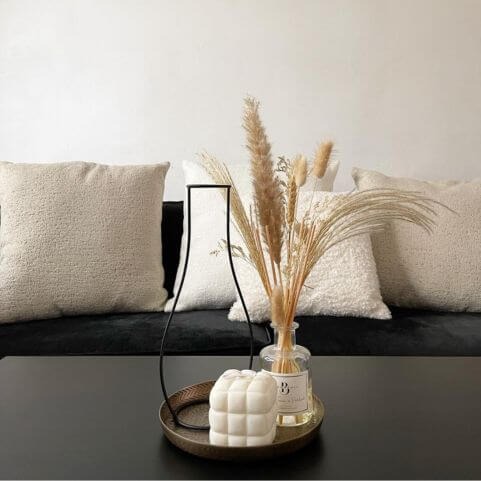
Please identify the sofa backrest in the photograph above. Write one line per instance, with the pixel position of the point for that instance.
(172, 229)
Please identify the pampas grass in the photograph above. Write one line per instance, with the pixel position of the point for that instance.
(268, 203)
(284, 245)
(321, 159)
(300, 170)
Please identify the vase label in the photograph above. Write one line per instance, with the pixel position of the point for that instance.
(291, 392)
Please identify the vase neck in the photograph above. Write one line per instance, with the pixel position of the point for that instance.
(285, 338)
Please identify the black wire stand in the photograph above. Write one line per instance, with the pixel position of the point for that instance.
(175, 412)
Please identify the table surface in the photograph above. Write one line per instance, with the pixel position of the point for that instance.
(96, 418)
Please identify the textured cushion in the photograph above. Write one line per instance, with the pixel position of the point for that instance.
(441, 271)
(208, 283)
(80, 238)
(343, 283)
(198, 332)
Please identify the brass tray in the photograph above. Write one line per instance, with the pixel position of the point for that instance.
(287, 440)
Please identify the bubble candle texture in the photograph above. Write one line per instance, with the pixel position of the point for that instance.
(243, 409)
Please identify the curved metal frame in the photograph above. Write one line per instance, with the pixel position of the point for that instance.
(175, 412)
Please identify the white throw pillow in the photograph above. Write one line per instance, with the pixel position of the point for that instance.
(441, 271)
(208, 282)
(343, 283)
(80, 238)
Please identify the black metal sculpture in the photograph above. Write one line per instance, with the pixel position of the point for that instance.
(175, 412)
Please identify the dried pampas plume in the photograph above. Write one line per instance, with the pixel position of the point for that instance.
(291, 200)
(296, 179)
(321, 159)
(300, 170)
(267, 188)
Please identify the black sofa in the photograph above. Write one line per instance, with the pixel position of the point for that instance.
(409, 332)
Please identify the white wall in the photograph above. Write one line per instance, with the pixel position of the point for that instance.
(397, 84)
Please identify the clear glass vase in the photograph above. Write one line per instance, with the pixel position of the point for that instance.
(289, 364)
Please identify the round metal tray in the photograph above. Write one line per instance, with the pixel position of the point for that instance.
(287, 440)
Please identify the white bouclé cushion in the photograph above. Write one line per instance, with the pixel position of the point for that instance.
(343, 283)
(80, 238)
(441, 271)
(208, 283)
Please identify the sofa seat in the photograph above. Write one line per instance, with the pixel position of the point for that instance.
(197, 332)
(410, 332)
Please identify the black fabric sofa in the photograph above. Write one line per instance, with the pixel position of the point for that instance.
(409, 332)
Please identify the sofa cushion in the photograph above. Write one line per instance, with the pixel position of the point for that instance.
(80, 238)
(343, 283)
(438, 270)
(197, 332)
(410, 332)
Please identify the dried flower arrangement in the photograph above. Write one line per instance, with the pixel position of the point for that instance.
(284, 245)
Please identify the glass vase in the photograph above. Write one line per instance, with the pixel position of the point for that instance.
(289, 364)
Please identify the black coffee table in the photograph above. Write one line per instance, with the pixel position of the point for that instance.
(96, 417)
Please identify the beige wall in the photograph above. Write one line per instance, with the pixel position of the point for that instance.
(397, 84)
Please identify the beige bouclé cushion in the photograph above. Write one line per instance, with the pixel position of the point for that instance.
(441, 271)
(343, 283)
(80, 238)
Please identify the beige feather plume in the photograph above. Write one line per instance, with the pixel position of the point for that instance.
(321, 159)
(267, 188)
(300, 170)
